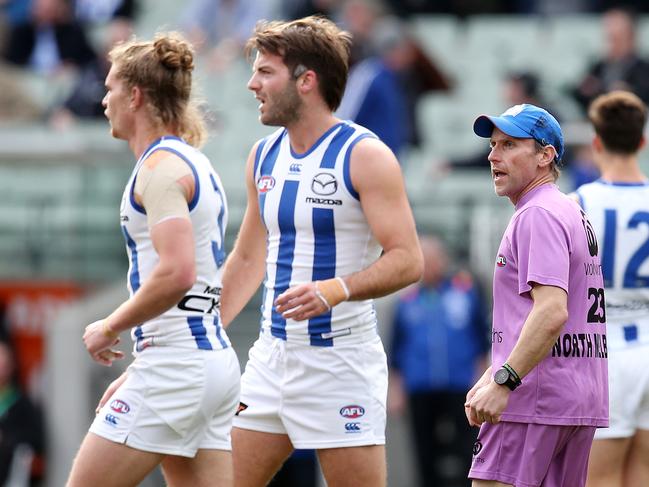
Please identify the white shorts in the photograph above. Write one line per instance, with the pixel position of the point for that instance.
(321, 397)
(174, 401)
(628, 392)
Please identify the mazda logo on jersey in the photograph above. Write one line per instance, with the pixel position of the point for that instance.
(324, 184)
(265, 184)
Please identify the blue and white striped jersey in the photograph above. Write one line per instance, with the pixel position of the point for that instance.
(195, 321)
(619, 213)
(316, 230)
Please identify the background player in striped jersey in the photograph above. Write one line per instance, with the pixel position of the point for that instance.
(174, 404)
(329, 224)
(618, 207)
(539, 403)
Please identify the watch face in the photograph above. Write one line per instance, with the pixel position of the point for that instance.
(501, 376)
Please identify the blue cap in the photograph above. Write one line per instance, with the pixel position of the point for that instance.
(524, 122)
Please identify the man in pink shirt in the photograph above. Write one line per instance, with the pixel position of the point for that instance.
(547, 390)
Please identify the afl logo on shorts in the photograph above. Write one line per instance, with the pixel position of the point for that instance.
(501, 261)
(119, 406)
(265, 184)
(352, 412)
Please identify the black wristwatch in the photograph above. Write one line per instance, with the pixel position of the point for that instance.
(506, 376)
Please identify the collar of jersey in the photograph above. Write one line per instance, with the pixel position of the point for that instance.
(316, 144)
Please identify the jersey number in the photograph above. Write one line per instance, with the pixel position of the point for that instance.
(631, 278)
(597, 311)
(218, 247)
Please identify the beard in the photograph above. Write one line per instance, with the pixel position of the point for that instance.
(284, 109)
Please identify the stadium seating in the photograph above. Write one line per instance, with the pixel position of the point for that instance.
(61, 189)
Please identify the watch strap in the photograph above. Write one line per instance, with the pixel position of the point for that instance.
(513, 373)
(514, 379)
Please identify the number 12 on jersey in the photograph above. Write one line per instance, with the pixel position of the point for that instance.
(631, 277)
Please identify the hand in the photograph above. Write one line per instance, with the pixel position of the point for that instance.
(300, 302)
(107, 357)
(110, 390)
(98, 344)
(487, 404)
(467, 405)
(484, 379)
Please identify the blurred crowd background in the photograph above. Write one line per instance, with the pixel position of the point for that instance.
(422, 71)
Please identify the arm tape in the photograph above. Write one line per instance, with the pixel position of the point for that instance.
(332, 291)
(107, 331)
(163, 197)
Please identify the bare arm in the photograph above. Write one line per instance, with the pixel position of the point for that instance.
(377, 178)
(245, 268)
(540, 331)
(173, 275)
(376, 175)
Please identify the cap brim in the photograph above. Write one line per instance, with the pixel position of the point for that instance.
(484, 126)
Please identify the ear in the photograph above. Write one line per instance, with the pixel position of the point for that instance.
(597, 144)
(307, 82)
(137, 98)
(547, 156)
(642, 143)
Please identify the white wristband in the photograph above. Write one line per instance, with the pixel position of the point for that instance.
(321, 297)
(345, 288)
